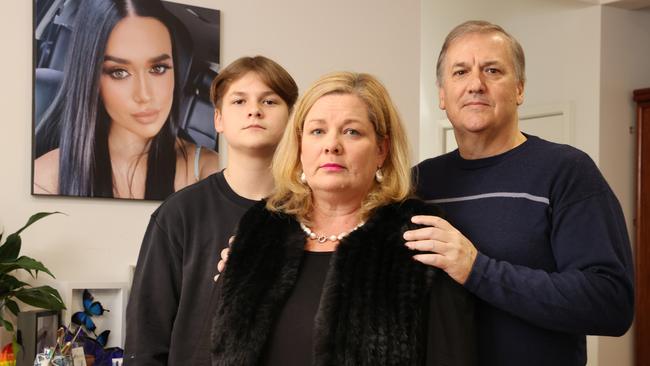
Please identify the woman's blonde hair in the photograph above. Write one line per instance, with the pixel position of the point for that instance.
(293, 197)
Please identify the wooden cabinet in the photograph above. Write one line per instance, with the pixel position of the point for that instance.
(642, 223)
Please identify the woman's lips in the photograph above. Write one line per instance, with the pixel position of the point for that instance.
(147, 116)
(332, 167)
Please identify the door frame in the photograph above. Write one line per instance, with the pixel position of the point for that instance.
(642, 230)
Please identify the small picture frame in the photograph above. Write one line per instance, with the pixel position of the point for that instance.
(36, 331)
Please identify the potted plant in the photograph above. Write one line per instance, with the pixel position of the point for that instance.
(12, 289)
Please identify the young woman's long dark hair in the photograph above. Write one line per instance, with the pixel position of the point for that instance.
(78, 117)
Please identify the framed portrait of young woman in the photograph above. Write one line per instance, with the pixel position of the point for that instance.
(121, 105)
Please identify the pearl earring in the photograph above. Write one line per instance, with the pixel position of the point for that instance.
(303, 178)
(379, 175)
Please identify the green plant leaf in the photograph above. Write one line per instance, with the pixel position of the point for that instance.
(10, 283)
(11, 248)
(6, 324)
(35, 217)
(26, 263)
(12, 306)
(12, 289)
(44, 297)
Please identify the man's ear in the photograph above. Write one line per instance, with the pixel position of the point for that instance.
(441, 98)
(520, 92)
(218, 121)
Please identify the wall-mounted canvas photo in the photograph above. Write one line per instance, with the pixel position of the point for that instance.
(121, 105)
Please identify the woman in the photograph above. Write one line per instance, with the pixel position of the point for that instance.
(117, 109)
(319, 273)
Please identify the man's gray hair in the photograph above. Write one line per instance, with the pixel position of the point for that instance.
(481, 26)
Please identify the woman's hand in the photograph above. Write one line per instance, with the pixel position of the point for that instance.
(450, 250)
(224, 259)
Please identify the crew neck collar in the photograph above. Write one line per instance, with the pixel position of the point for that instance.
(491, 160)
(230, 193)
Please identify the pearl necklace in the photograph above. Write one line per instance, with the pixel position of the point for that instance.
(323, 238)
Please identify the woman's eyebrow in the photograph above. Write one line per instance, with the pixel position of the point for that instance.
(161, 57)
(116, 59)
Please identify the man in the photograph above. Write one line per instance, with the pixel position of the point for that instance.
(169, 315)
(538, 235)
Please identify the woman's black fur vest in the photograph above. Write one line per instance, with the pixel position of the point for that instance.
(373, 305)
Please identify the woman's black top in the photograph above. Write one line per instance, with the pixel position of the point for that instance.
(290, 343)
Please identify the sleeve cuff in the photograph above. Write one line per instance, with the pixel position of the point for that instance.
(476, 275)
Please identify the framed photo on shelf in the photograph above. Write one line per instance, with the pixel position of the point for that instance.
(36, 331)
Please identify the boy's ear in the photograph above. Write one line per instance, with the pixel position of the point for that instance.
(218, 121)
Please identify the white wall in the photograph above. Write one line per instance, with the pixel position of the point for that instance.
(99, 239)
(625, 51)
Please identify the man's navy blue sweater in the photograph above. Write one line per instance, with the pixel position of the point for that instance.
(554, 260)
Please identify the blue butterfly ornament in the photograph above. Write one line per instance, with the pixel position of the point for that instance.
(90, 308)
(102, 338)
